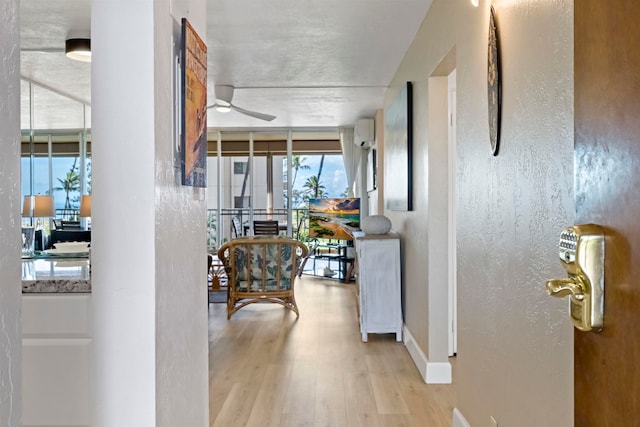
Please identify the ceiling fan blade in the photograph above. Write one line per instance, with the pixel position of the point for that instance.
(224, 93)
(261, 116)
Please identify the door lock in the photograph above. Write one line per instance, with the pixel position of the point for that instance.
(581, 252)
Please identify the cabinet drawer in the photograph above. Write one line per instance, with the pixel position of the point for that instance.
(56, 316)
(56, 389)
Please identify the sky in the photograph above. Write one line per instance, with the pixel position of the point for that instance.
(60, 167)
(332, 177)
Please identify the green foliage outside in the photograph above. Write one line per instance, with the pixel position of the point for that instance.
(70, 183)
(211, 229)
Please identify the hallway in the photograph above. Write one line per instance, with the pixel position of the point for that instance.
(268, 369)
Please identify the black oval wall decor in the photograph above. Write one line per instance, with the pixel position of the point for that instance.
(494, 84)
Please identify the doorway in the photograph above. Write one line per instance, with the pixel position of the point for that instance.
(441, 217)
(452, 260)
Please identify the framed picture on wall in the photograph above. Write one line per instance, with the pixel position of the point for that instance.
(398, 160)
(194, 108)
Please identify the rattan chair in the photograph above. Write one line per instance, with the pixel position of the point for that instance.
(261, 269)
(216, 276)
(237, 227)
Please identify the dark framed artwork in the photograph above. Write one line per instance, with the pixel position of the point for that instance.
(494, 84)
(398, 160)
(372, 170)
(194, 108)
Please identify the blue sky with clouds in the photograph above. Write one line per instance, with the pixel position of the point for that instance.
(60, 167)
(332, 177)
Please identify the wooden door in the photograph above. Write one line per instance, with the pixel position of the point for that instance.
(607, 177)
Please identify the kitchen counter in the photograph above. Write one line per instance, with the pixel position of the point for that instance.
(56, 275)
(57, 339)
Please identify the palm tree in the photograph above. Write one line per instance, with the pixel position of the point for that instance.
(297, 163)
(319, 173)
(296, 197)
(71, 182)
(88, 165)
(314, 187)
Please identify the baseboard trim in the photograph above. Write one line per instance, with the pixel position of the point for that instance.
(458, 420)
(431, 372)
(415, 352)
(439, 373)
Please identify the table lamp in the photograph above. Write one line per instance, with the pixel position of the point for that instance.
(85, 210)
(28, 232)
(85, 206)
(38, 207)
(43, 207)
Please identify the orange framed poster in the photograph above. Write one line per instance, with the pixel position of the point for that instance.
(194, 108)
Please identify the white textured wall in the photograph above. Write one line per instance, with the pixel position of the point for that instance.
(515, 346)
(148, 248)
(123, 239)
(10, 208)
(182, 347)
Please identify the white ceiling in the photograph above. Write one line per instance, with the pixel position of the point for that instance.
(313, 64)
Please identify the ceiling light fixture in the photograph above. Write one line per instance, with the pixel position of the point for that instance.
(78, 49)
(474, 2)
(222, 106)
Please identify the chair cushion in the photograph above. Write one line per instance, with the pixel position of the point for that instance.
(270, 286)
(263, 259)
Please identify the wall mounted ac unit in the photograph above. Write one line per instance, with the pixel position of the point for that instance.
(364, 133)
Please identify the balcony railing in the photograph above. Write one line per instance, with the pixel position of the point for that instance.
(72, 214)
(299, 225)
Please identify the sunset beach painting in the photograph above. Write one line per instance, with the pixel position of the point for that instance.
(334, 218)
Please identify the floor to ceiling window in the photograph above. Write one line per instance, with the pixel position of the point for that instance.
(65, 186)
(56, 149)
(249, 179)
(253, 184)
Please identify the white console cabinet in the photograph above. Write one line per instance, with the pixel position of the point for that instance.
(56, 359)
(378, 284)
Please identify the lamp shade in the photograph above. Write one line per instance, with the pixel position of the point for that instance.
(85, 206)
(43, 206)
(78, 49)
(38, 206)
(26, 206)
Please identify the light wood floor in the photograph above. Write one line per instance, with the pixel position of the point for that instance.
(268, 369)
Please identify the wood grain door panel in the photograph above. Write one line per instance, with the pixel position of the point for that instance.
(607, 178)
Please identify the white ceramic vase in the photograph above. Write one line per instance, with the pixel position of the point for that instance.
(375, 224)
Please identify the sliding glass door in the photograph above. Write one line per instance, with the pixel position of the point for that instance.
(249, 174)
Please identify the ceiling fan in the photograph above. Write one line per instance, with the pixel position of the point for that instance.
(224, 94)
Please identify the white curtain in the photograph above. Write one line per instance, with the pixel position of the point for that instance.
(351, 156)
